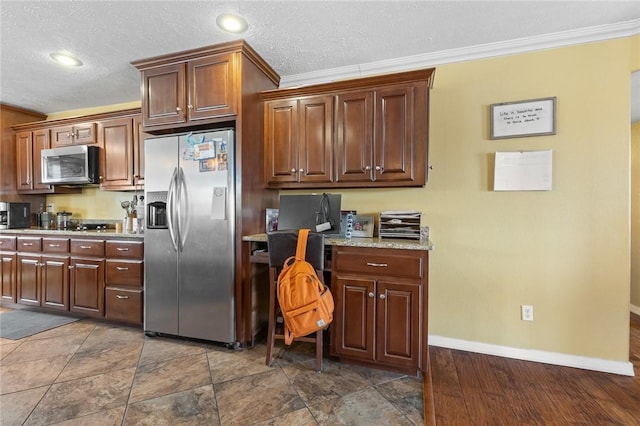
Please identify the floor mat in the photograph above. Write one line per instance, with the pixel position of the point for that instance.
(20, 323)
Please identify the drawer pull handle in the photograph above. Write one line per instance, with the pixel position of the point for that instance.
(54, 245)
(121, 268)
(371, 294)
(27, 244)
(85, 247)
(119, 296)
(122, 249)
(377, 265)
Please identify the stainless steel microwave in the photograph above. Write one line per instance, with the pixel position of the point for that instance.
(77, 164)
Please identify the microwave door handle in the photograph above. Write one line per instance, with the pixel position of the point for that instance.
(183, 210)
(171, 199)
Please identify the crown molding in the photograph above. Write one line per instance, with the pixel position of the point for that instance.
(482, 51)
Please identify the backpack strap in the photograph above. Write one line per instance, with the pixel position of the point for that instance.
(301, 249)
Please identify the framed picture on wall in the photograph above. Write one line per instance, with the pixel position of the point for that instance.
(534, 117)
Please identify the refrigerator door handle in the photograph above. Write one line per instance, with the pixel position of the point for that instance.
(183, 210)
(171, 201)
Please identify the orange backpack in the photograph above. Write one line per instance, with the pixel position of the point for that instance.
(306, 303)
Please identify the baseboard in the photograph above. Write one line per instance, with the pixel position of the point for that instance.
(575, 361)
(634, 309)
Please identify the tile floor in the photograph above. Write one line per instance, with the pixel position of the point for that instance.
(93, 373)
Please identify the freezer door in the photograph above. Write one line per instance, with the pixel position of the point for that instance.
(160, 257)
(206, 237)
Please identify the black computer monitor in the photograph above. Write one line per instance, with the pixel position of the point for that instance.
(315, 212)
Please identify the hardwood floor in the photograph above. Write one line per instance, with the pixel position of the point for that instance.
(476, 389)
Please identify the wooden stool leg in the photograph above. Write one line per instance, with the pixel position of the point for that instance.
(319, 350)
(272, 316)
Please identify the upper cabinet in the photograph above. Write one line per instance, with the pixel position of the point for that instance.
(370, 132)
(29, 144)
(195, 87)
(76, 134)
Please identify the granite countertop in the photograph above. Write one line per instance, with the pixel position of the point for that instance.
(108, 233)
(377, 242)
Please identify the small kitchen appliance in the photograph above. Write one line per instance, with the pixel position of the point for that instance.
(15, 215)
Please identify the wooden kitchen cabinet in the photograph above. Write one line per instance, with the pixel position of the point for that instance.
(117, 159)
(124, 281)
(299, 140)
(29, 144)
(369, 132)
(139, 135)
(375, 138)
(381, 307)
(8, 268)
(75, 134)
(87, 277)
(195, 90)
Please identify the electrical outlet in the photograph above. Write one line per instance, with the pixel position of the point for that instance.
(527, 312)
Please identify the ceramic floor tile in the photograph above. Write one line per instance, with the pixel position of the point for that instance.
(82, 397)
(227, 365)
(99, 360)
(44, 348)
(15, 407)
(27, 375)
(256, 398)
(301, 417)
(105, 335)
(191, 407)
(78, 328)
(366, 407)
(160, 378)
(7, 348)
(111, 417)
(406, 395)
(335, 380)
(159, 349)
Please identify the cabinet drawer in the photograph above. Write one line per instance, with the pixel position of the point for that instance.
(379, 262)
(123, 304)
(7, 243)
(55, 245)
(122, 272)
(125, 249)
(87, 247)
(31, 244)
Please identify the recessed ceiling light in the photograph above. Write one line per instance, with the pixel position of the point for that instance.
(232, 23)
(66, 59)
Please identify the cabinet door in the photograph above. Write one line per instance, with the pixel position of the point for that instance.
(353, 326)
(315, 135)
(394, 137)
(281, 141)
(398, 316)
(163, 95)
(55, 282)
(116, 138)
(61, 136)
(211, 87)
(28, 280)
(87, 286)
(40, 141)
(85, 134)
(24, 161)
(8, 276)
(354, 137)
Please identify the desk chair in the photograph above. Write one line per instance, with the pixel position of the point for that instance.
(282, 245)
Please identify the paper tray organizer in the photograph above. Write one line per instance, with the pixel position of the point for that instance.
(400, 224)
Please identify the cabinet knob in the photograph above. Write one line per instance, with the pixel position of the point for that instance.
(293, 170)
(367, 168)
(371, 294)
(301, 171)
(382, 296)
(178, 109)
(379, 168)
(71, 267)
(190, 106)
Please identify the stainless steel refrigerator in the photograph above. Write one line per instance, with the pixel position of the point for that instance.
(189, 236)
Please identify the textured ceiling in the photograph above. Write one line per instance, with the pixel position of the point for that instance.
(295, 37)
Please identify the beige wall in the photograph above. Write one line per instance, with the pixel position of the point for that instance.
(566, 251)
(635, 216)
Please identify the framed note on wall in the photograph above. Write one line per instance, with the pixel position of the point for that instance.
(534, 117)
(523, 171)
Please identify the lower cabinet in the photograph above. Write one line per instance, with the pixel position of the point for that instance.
(8, 276)
(381, 307)
(124, 280)
(87, 286)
